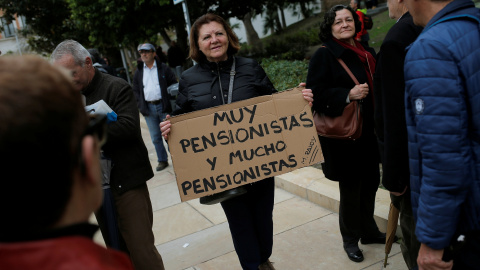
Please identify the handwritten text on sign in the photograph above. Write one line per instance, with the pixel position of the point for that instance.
(224, 147)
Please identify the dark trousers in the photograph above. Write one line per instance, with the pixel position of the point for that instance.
(357, 204)
(250, 218)
(467, 257)
(135, 221)
(410, 244)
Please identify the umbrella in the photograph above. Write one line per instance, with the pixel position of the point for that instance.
(391, 230)
(107, 214)
(112, 239)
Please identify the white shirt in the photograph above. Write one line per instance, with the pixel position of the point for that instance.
(151, 84)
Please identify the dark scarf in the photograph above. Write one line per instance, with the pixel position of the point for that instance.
(367, 59)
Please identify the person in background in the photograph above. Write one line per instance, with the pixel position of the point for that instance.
(161, 55)
(213, 45)
(353, 163)
(150, 84)
(107, 61)
(442, 95)
(362, 36)
(100, 63)
(46, 208)
(131, 165)
(176, 57)
(390, 125)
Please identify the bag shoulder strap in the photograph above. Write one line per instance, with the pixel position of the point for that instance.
(348, 71)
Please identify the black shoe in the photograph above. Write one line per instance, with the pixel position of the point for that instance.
(162, 165)
(380, 239)
(354, 254)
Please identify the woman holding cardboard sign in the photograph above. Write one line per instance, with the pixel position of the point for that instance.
(221, 78)
(353, 163)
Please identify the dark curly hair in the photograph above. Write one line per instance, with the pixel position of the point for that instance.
(326, 26)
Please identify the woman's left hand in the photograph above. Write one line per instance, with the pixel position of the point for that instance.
(307, 94)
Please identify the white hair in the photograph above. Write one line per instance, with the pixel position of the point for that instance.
(73, 48)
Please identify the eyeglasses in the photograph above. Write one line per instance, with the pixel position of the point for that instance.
(97, 126)
(145, 52)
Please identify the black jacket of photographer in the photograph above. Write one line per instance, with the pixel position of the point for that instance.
(166, 77)
(199, 86)
(125, 146)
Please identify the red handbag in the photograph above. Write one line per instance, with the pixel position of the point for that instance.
(348, 126)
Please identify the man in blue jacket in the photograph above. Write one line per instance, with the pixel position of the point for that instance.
(150, 84)
(442, 80)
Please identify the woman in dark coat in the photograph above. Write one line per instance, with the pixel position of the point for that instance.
(213, 45)
(353, 163)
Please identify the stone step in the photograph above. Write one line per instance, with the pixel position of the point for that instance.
(310, 183)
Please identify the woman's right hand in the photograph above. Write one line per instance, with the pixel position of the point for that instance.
(360, 91)
(165, 127)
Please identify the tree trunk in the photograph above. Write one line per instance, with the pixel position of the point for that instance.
(277, 20)
(182, 36)
(252, 35)
(165, 37)
(304, 10)
(282, 14)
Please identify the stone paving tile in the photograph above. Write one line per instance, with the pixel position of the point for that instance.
(97, 237)
(318, 245)
(324, 193)
(394, 262)
(221, 262)
(281, 195)
(164, 196)
(160, 178)
(177, 221)
(202, 246)
(294, 212)
(214, 213)
(297, 181)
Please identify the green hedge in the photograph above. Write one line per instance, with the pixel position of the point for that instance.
(291, 46)
(285, 74)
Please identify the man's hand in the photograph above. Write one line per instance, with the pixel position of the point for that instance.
(431, 259)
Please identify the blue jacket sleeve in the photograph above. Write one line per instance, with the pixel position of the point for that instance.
(437, 122)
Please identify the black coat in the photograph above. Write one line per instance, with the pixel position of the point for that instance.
(124, 139)
(199, 86)
(389, 89)
(175, 56)
(166, 77)
(331, 84)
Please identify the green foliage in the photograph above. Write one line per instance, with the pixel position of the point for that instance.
(49, 22)
(291, 46)
(285, 74)
(381, 24)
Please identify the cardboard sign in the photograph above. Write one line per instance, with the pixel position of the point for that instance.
(223, 147)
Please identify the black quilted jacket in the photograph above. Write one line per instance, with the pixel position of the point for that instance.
(200, 88)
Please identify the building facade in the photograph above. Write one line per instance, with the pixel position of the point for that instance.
(11, 40)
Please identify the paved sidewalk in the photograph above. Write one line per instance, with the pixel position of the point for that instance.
(192, 236)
